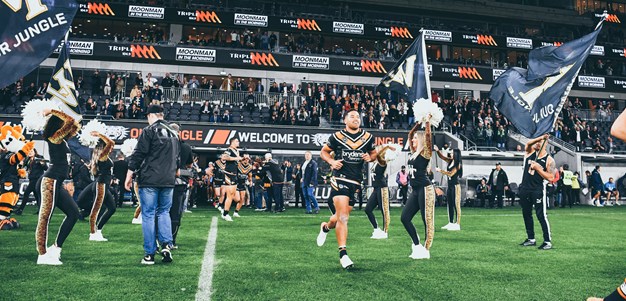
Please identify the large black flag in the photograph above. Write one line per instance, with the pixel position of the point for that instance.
(30, 30)
(61, 89)
(410, 75)
(532, 99)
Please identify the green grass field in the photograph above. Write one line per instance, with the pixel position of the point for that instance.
(274, 257)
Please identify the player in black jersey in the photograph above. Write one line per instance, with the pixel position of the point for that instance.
(102, 169)
(619, 294)
(243, 178)
(380, 196)
(539, 168)
(218, 182)
(352, 146)
(454, 171)
(59, 128)
(230, 176)
(423, 195)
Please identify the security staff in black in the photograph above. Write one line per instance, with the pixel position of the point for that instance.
(539, 168)
(182, 181)
(453, 197)
(36, 167)
(352, 147)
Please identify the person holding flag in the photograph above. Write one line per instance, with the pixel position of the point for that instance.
(533, 99)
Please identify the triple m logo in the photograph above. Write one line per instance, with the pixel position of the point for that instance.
(143, 51)
(263, 59)
(207, 16)
(99, 9)
(306, 24)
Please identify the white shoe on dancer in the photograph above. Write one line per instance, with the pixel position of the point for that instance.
(419, 252)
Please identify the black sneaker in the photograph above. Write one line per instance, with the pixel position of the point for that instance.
(148, 259)
(528, 243)
(167, 254)
(545, 246)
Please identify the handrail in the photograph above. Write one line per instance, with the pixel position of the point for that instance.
(562, 143)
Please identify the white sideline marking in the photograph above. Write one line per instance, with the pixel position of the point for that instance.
(205, 282)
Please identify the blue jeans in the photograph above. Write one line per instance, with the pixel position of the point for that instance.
(257, 197)
(268, 199)
(309, 198)
(156, 202)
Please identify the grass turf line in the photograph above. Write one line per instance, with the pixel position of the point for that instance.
(274, 257)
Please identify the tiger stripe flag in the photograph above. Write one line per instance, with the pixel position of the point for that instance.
(410, 75)
(61, 89)
(533, 98)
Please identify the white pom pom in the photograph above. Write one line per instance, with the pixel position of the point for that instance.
(85, 136)
(32, 113)
(422, 108)
(393, 152)
(128, 147)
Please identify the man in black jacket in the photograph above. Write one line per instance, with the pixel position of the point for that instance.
(155, 161)
(180, 190)
(81, 177)
(276, 174)
(498, 182)
(36, 166)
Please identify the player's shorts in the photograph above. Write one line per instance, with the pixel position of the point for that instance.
(241, 186)
(230, 180)
(218, 183)
(344, 187)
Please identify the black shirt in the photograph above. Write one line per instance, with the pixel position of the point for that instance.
(105, 171)
(453, 180)
(59, 160)
(418, 176)
(9, 172)
(349, 148)
(120, 168)
(218, 175)
(244, 169)
(532, 180)
(379, 176)
(231, 166)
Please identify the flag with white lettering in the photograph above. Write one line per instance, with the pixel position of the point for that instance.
(532, 98)
(29, 32)
(410, 76)
(61, 89)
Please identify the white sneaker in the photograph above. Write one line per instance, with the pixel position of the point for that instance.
(379, 234)
(345, 261)
(97, 236)
(221, 210)
(419, 252)
(188, 211)
(617, 203)
(227, 218)
(236, 214)
(446, 226)
(321, 238)
(54, 250)
(454, 227)
(49, 259)
(137, 221)
(194, 206)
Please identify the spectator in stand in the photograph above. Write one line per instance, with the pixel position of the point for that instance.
(108, 83)
(31, 91)
(259, 87)
(41, 92)
(206, 108)
(598, 147)
(107, 108)
(90, 107)
(226, 117)
(403, 109)
(135, 112)
(156, 93)
(149, 81)
(250, 101)
(302, 116)
(315, 117)
(135, 93)
(384, 122)
(167, 81)
(120, 111)
(215, 117)
(611, 190)
(273, 89)
(228, 84)
(96, 83)
(193, 83)
(119, 86)
(501, 137)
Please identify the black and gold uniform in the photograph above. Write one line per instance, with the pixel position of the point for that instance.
(350, 148)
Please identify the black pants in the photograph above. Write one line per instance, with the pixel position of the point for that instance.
(279, 204)
(421, 198)
(528, 199)
(575, 196)
(87, 197)
(176, 211)
(31, 188)
(52, 193)
(566, 196)
(482, 197)
(496, 198)
(379, 198)
(404, 189)
(453, 198)
(120, 194)
(299, 196)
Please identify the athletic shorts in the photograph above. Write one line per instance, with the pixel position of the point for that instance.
(241, 186)
(347, 188)
(218, 183)
(230, 180)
